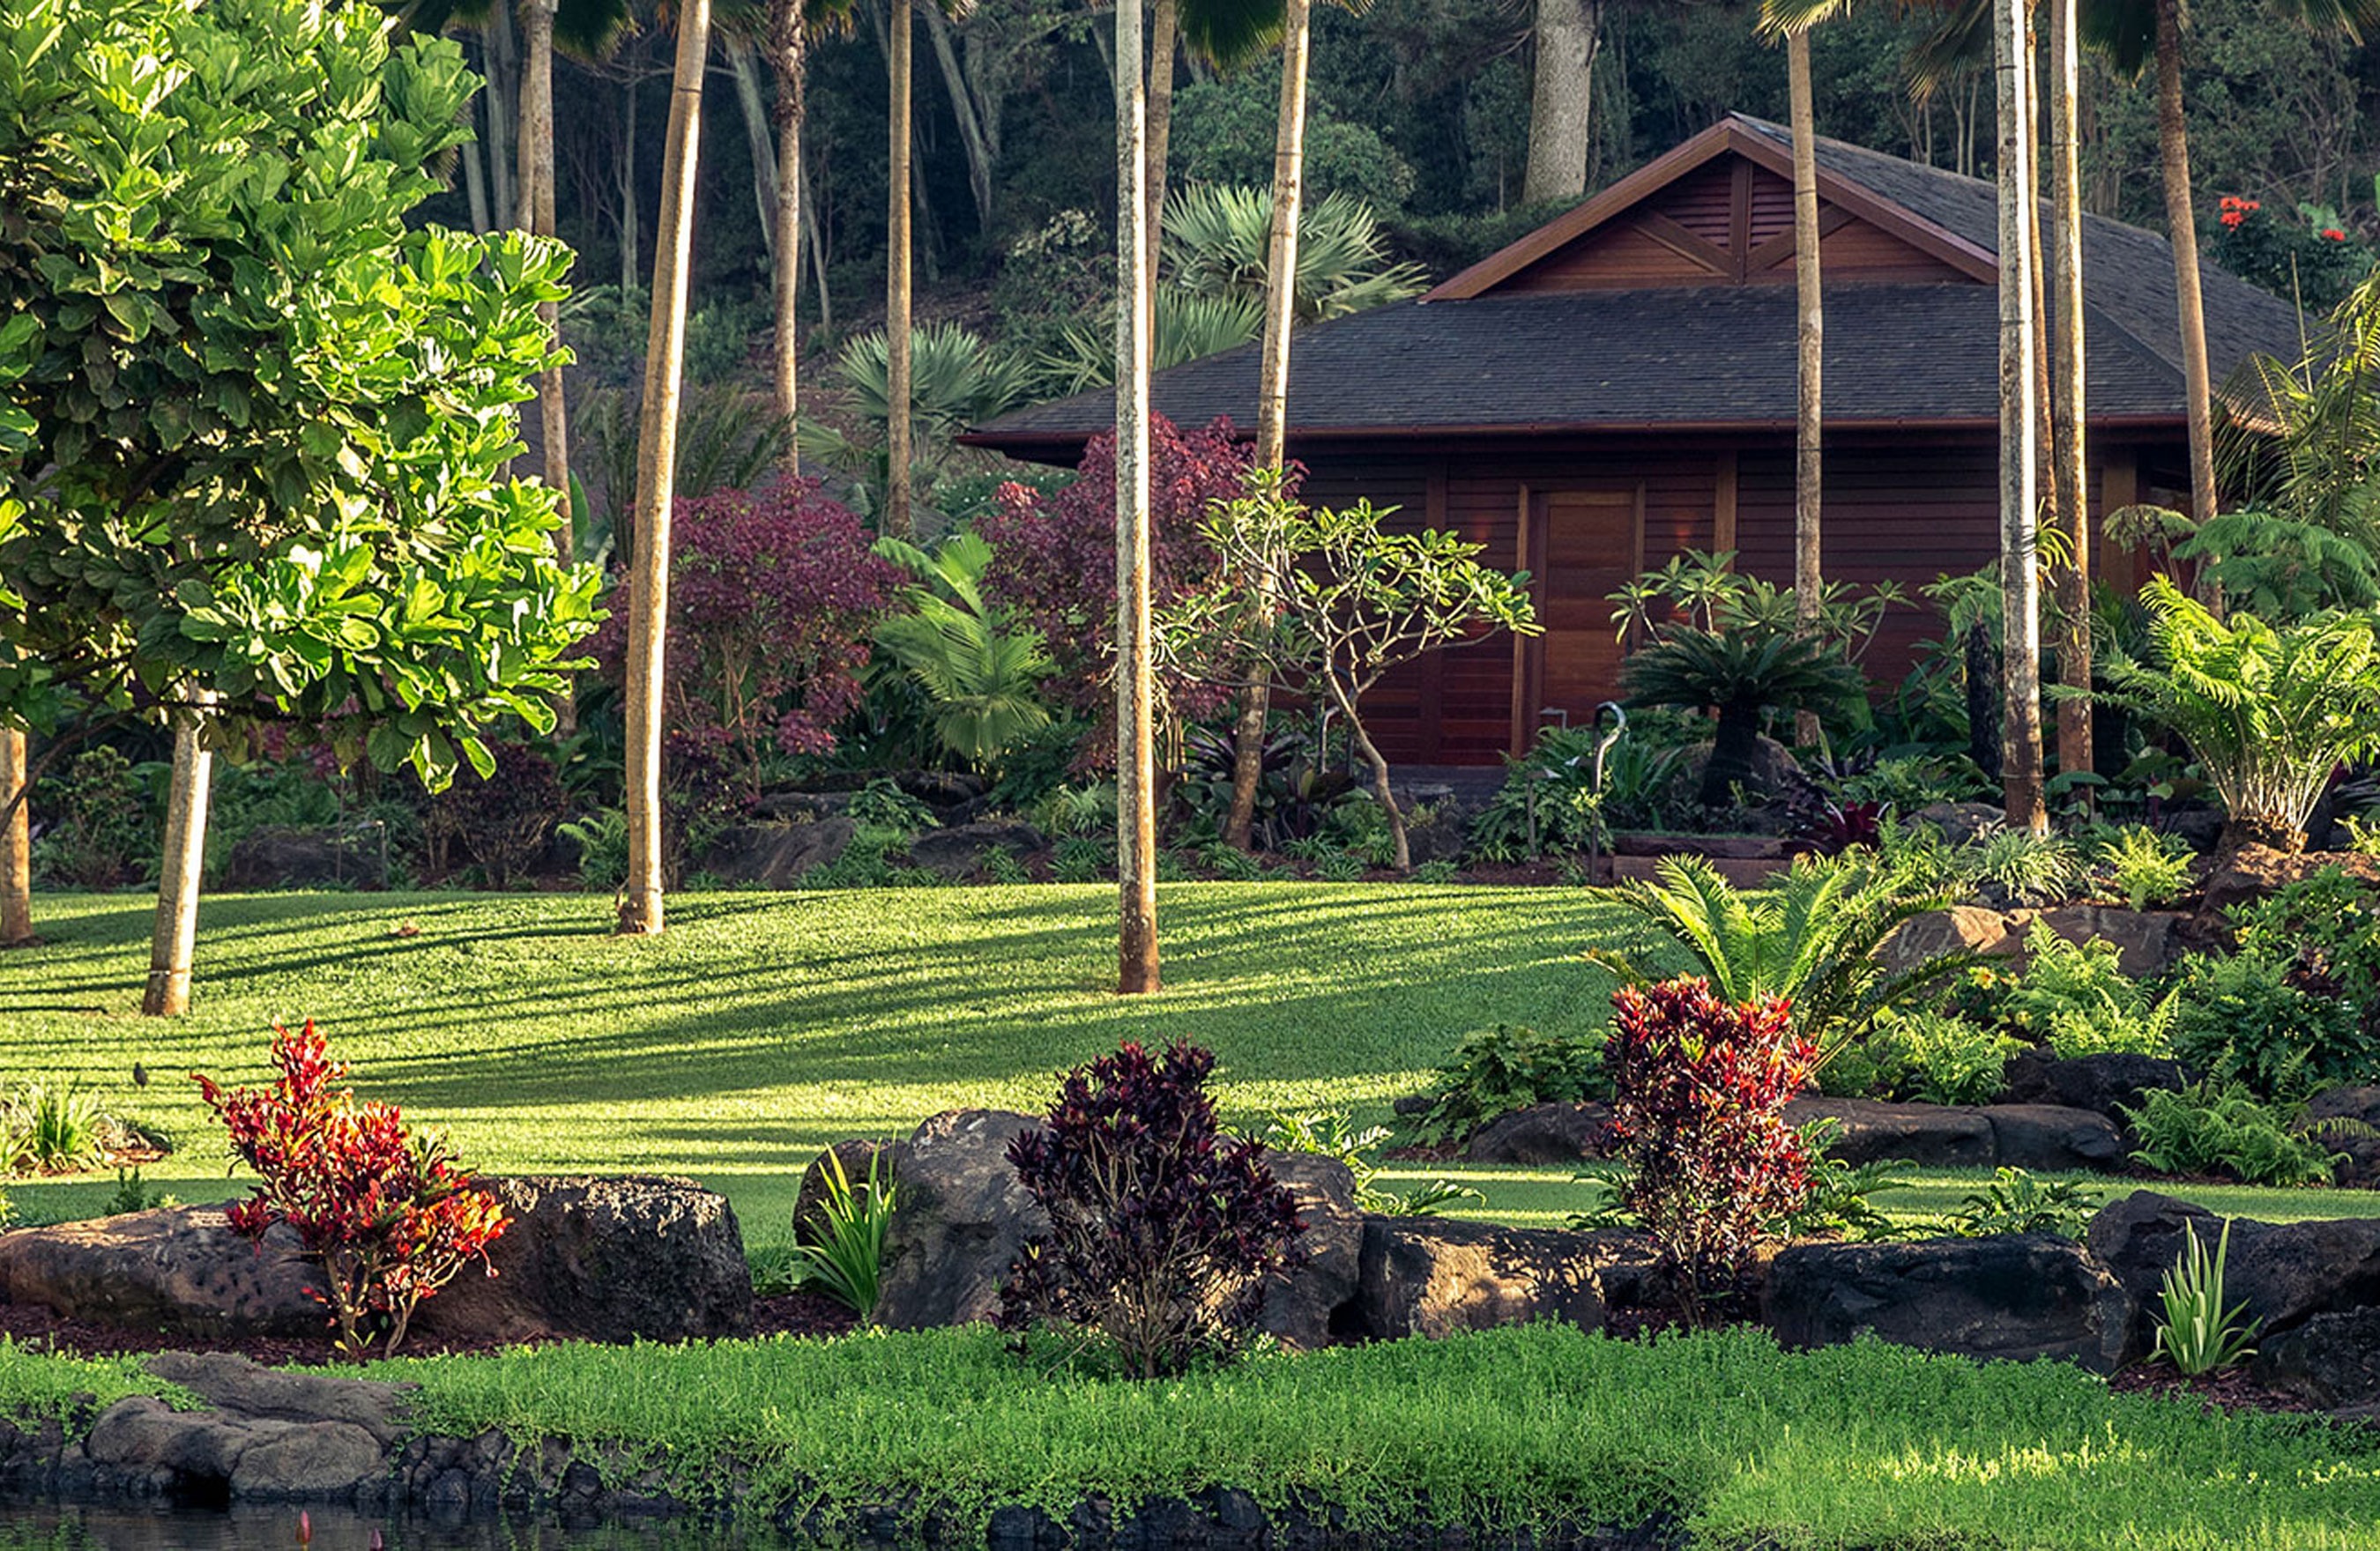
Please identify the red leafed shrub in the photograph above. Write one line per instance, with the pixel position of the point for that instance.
(774, 596)
(389, 1214)
(1161, 1232)
(1699, 1092)
(1054, 561)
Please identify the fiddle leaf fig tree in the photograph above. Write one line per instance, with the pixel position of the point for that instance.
(1326, 603)
(254, 428)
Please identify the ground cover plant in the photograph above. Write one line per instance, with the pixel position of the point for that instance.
(1850, 1446)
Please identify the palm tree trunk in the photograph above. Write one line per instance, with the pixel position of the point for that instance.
(535, 215)
(1809, 401)
(898, 520)
(2020, 604)
(1164, 41)
(174, 943)
(2069, 477)
(504, 110)
(744, 69)
(1561, 100)
(2182, 227)
(640, 898)
(786, 44)
(1272, 377)
(625, 169)
(475, 181)
(16, 846)
(1136, 961)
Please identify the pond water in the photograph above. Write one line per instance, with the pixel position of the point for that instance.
(53, 1527)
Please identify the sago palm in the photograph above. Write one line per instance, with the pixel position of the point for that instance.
(2268, 711)
(1812, 938)
(1182, 328)
(1215, 237)
(1743, 672)
(982, 674)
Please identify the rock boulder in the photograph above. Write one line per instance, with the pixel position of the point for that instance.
(2360, 1107)
(1540, 1134)
(857, 1158)
(1434, 1276)
(1960, 929)
(605, 1258)
(2332, 1359)
(2148, 942)
(179, 1269)
(777, 855)
(351, 855)
(2105, 1084)
(2285, 1273)
(2255, 871)
(961, 1221)
(961, 851)
(1930, 1135)
(2053, 1139)
(1304, 1308)
(2019, 1296)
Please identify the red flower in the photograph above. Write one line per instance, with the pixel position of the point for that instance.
(2334, 234)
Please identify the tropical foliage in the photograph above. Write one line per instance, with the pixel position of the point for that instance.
(981, 673)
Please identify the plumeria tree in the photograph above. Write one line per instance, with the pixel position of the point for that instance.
(1327, 603)
(253, 427)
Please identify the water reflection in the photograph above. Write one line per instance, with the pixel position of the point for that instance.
(51, 1527)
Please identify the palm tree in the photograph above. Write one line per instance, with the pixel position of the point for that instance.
(1810, 354)
(1137, 955)
(640, 897)
(2019, 585)
(16, 845)
(2070, 465)
(898, 301)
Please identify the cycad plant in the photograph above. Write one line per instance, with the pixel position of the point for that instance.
(1745, 673)
(982, 676)
(1185, 328)
(957, 382)
(1811, 939)
(2269, 712)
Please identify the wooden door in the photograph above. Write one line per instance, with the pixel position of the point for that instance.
(1579, 547)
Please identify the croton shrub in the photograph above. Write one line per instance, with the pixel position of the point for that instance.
(1699, 1088)
(388, 1212)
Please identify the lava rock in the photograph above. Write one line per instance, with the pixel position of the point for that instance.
(777, 855)
(1961, 822)
(960, 1220)
(1435, 1276)
(605, 1258)
(2285, 1273)
(2105, 1084)
(1306, 1307)
(1960, 929)
(2053, 1138)
(2019, 1296)
(2148, 942)
(961, 851)
(350, 856)
(2332, 1359)
(1929, 1135)
(179, 1269)
(2360, 1105)
(1541, 1133)
(2255, 871)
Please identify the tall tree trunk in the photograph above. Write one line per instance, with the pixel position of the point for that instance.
(816, 247)
(744, 69)
(974, 137)
(2181, 226)
(1136, 962)
(174, 943)
(630, 246)
(1561, 100)
(786, 47)
(2069, 470)
(898, 520)
(16, 846)
(475, 180)
(640, 898)
(1273, 377)
(535, 215)
(1809, 397)
(504, 107)
(2020, 602)
(1164, 42)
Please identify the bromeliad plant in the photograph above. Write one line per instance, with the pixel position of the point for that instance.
(1162, 1231)
(388, 1213)
(1699, 1088)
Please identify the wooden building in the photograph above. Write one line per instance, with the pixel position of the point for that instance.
(1619, 386)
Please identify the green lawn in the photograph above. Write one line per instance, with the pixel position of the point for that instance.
(762, 1027)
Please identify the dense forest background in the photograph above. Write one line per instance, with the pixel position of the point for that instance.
(1421, 107)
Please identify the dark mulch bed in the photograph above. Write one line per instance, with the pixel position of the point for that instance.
(2228, 1391)
(34, 1327)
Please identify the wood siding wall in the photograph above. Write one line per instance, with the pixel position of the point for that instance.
(1907, 510)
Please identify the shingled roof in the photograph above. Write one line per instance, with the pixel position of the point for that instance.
(1713, 356)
